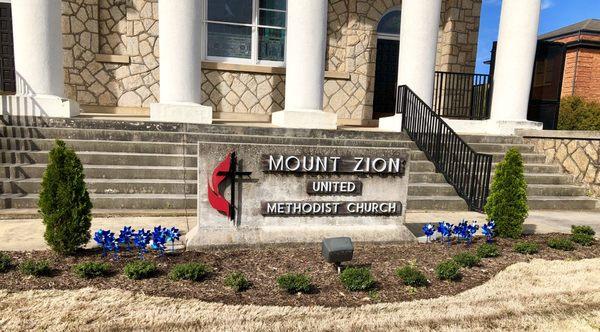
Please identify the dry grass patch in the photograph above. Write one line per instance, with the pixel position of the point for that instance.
(541, 295)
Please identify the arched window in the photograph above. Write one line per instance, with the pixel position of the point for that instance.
(389, 25)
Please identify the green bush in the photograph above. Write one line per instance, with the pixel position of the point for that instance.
(89, 270)
(507, 202)
(189, 271)
(411, 276)
(357, 279)
(577, 114)
(5, 262)
(466, 259)
(237, 281)
(35, 268)
(64, 201)
(561, 244)
(583, 239)
(487, 250)
(526, 248)
(585, 230)
(140, 270)
(295, 283)
(448, 270)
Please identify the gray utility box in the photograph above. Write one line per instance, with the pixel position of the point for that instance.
(337, 250)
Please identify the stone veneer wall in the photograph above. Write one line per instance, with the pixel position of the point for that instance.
(577, 152)
(130, 27)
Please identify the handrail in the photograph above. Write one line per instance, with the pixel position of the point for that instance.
(462, 95)
(465, 169)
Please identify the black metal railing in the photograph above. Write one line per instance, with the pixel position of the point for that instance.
(462, 96)
(465, 169)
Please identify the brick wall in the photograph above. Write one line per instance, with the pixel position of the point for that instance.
(582, 70)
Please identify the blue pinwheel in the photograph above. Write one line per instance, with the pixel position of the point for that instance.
(488, 230)
(106, 239)
(159, 239)
(172, 235)
(428, 229)
(470, 231)
(126, 237)
(445, 229)
(141, 241)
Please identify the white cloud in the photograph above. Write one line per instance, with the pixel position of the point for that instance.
(547, 4)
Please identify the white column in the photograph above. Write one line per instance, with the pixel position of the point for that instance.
(37, 33)
(180, 27)
(515, 57)
(419, 27)
(306, 44)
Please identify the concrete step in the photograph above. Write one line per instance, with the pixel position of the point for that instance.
(109, 186)
(25, 171)
(431, 189)
(561, 203)
(440, 203)
(499, 147)
(492, 139)
(528, 158)
(556, 179)
(555, 190)
(421, 166)
(118, 201)
(538, 168)
(426, 177)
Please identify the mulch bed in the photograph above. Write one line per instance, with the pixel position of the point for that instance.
(262, 265)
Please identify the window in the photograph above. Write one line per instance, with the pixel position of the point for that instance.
(389, 25)
(245, 31)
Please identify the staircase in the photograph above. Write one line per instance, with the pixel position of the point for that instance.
(150, 168)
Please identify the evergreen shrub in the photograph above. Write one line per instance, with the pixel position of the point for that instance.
(295, 283)
(578, 114)
(585, 230)
(89, 270)
(507, 202)
(357, 279)
(5, 262)
(237, 281)
(561, 244)
(190, 271)
(488, 250)
(64, 201)
(138, 270)
(526, 248)
(448, 270)
(466, 259)
(583, 239)
(35, 268)
(412, 276)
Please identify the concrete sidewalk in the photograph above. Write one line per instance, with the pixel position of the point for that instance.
(28, 234)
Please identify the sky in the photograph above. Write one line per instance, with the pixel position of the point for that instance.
(555, 14)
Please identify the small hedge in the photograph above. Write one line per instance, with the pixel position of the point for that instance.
(357, 279)
(561, 244)
(411, 276)
(140, 270)
(5, 263)
(466, 259)
(578, 114)
(189, 271)
(585, 230)
(487, 250)
(35, 268)
(89, 270)
(237, 281)
(295, 283)
(526, 248)
(448, 270)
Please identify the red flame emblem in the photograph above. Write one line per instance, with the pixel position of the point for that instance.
(215, 197)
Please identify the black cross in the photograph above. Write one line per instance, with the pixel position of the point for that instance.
(232, 174)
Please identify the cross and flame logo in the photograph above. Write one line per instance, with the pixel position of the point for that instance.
(226, 170)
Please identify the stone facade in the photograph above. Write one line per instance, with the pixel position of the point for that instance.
(578, 155)
(95, 31)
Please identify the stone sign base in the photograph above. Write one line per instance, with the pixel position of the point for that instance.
(275, 199)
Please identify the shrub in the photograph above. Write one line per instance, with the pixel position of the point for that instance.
(448, 270)
(189, 271)
(237, 281)
(64, 201)
(586, 230)
(526, 248)
(140, 270)
(35, 268)
(561, 244)
(295, 283)
(5, 262)
(583, 239)
(411, 276)
(466, 259)
(487, 250)
(507, 202)
(577, 114)
(89, 270)
(357, 279)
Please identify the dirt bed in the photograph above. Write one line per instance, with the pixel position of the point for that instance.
(262, 265)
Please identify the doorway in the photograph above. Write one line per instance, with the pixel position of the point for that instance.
(7, 55)
(386, 65)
